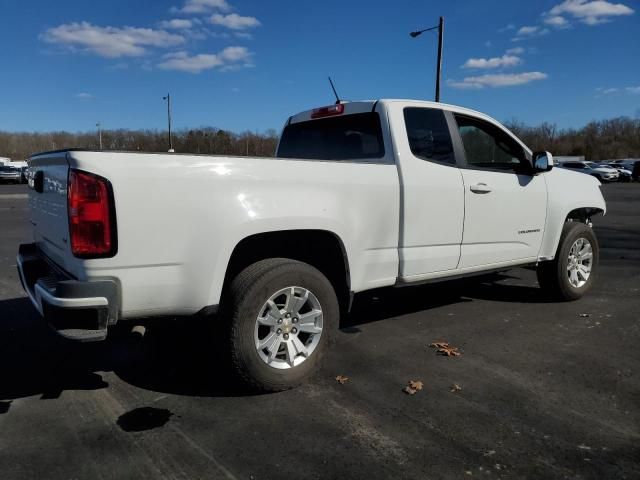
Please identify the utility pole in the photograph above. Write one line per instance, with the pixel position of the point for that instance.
(168, 99)
(440, 28)
(439, 69)
(99, 125)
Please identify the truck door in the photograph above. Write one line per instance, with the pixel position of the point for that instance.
(432, 194)
(505, 204)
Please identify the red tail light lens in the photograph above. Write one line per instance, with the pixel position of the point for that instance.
(91, 224)
(337, 109)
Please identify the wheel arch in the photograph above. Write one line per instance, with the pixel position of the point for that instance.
(583, 214)
(323, 249)
(556, 223)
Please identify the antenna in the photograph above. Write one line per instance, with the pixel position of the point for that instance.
(334, 91)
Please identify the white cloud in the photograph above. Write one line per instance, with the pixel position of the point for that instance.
(515, 51)
(495, 62)
(614, 90)
(235, 54)
(497, 80)
(176, 24)
(202, 6)
(511, 26)
(590, 12)
(234, 21)
(557, 21)
(527, 32)
(84, 96)
(245, 35)
(229, 57)
(111, 42)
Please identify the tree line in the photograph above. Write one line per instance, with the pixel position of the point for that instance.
(20, 145)
(598, 140)
(610, 139)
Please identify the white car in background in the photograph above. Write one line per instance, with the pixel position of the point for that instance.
(624, 171)
(604, 168)
(604, 174)
(10, 174)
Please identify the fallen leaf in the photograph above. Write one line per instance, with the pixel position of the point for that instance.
(445, 349)
(341, 379)
(413, 387)
(455, 387)
(449, 351)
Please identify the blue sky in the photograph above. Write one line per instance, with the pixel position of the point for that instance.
(247, 65)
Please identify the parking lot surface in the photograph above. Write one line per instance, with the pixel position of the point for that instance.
(544, 390)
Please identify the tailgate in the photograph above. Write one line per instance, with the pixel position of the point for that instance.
(48, 204)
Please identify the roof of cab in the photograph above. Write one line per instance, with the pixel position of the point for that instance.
(370, 105)
(362, 106)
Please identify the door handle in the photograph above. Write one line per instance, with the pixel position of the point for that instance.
(480, 188)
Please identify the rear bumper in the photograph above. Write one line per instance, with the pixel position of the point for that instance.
(76, 310)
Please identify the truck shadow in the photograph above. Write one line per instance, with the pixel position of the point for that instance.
(393, 302)
(176, 356)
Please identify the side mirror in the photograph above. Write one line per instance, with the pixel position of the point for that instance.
(542, 161)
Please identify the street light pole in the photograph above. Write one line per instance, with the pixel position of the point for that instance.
(439, 69)
(168, 99)
(440, 28)
(99, 125)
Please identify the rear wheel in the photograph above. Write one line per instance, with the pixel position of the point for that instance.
(570, 275)
(280, 315)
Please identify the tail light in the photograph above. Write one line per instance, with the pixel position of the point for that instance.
(91, 216)
(331, 110)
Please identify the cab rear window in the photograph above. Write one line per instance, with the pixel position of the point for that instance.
(349, 137)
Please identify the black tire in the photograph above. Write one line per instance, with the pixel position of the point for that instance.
(244, 301)
(552, 275)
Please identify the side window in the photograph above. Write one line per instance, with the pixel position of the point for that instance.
(428, 134)
(487, 146)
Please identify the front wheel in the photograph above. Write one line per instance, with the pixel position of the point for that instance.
(280, 315)
(570, 275)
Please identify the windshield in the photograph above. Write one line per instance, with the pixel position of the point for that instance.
(348, 137)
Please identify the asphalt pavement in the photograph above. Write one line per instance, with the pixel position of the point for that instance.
(544, 390)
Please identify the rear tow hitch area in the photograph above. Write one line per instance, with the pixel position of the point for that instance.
(75, 310)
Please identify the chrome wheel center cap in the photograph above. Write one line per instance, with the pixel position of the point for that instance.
(287, 325)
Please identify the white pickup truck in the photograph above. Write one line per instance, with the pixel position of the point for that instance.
(360, 195)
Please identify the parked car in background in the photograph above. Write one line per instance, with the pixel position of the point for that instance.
(590, 168)
(23, 175)
(603, 167)
(623, 171)
(10, 174)
(633, 166)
